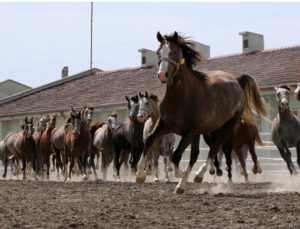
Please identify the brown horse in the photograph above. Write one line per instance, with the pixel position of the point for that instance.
(244, 139)
(76, 142)
(40, 128)
(195, 103)
(25, 146)
(46, 142)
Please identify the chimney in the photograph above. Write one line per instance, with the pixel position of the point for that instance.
(252, 42)
(148, 57)
(204, 49)
(65, 72)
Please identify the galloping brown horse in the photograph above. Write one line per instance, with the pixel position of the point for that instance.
(46, 142)
(25, 146)
(195, 103)
(76, 142)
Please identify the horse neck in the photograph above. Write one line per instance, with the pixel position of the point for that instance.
(155, 111)
(284, 113)
(185, 83)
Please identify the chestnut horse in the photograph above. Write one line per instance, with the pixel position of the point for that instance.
(76, 142)
(196, 103)
(46, 142)
(244, 139)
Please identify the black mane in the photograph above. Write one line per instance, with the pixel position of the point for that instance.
(192, 56)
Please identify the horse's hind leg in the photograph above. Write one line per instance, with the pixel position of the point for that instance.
(241, 158)
(298, 153)
(288, 161)
(5, 163)
(227, 148)
(256, 167)
(155, 165)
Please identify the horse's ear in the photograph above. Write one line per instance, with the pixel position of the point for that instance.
(176, 38)
(146, 94)
(154, 97)
(26, 119)
(140, 94)
(126, 98)
(48, 116)
(159, 37)
(92, 108)
(31, 120)
(276, 88)
(72, 109)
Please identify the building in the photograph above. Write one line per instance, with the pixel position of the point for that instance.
(11, 87)
(106, 90)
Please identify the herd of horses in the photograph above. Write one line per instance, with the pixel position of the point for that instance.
(221, 107)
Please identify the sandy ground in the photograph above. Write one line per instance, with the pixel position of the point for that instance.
(98, 204)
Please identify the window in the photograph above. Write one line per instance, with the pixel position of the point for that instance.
(143, 60)
(245, 44)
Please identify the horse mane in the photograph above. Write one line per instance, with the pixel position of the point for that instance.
(95, 126)
(190, 53)
(285, 87)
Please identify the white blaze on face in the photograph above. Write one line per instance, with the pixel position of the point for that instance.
(164, 53)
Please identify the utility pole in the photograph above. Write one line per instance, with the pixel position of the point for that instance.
(91, 51)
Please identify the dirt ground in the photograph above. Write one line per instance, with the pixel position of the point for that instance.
(97, 204)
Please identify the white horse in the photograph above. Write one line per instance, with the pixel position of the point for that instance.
(149, 113)
(103, 143)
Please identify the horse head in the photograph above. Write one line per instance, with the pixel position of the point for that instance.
(52, 121)
(174, 52)
(112, 120)
(146, 106)
(28, 127)
(132, 106)
(75, 121)
(87, 114)
(297, 92)
(282, 97)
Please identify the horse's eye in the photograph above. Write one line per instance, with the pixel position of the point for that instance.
(158, 62)
(147, 103)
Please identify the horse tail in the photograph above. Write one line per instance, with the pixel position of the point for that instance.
(253, 100)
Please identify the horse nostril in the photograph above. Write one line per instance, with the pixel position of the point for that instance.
(167, 74)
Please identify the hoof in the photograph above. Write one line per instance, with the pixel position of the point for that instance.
(212, 171)
(140, 180)
(198, 179)
(230, 181)
(219, 172)
(148, 173)
(156, 180)
(84, 177)
(179, 190)
(167, 180)
(4, 175)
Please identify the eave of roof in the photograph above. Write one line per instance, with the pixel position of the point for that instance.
(49, 85)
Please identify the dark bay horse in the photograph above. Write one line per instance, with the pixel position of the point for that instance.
(196, 102)
(286, 129)
(40, 128)
(128, 137)
(46, 142)
(76, 142)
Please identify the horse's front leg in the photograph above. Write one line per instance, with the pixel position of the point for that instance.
(159, 130)
(184, 142)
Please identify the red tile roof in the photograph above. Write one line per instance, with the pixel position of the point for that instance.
(108, 88)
